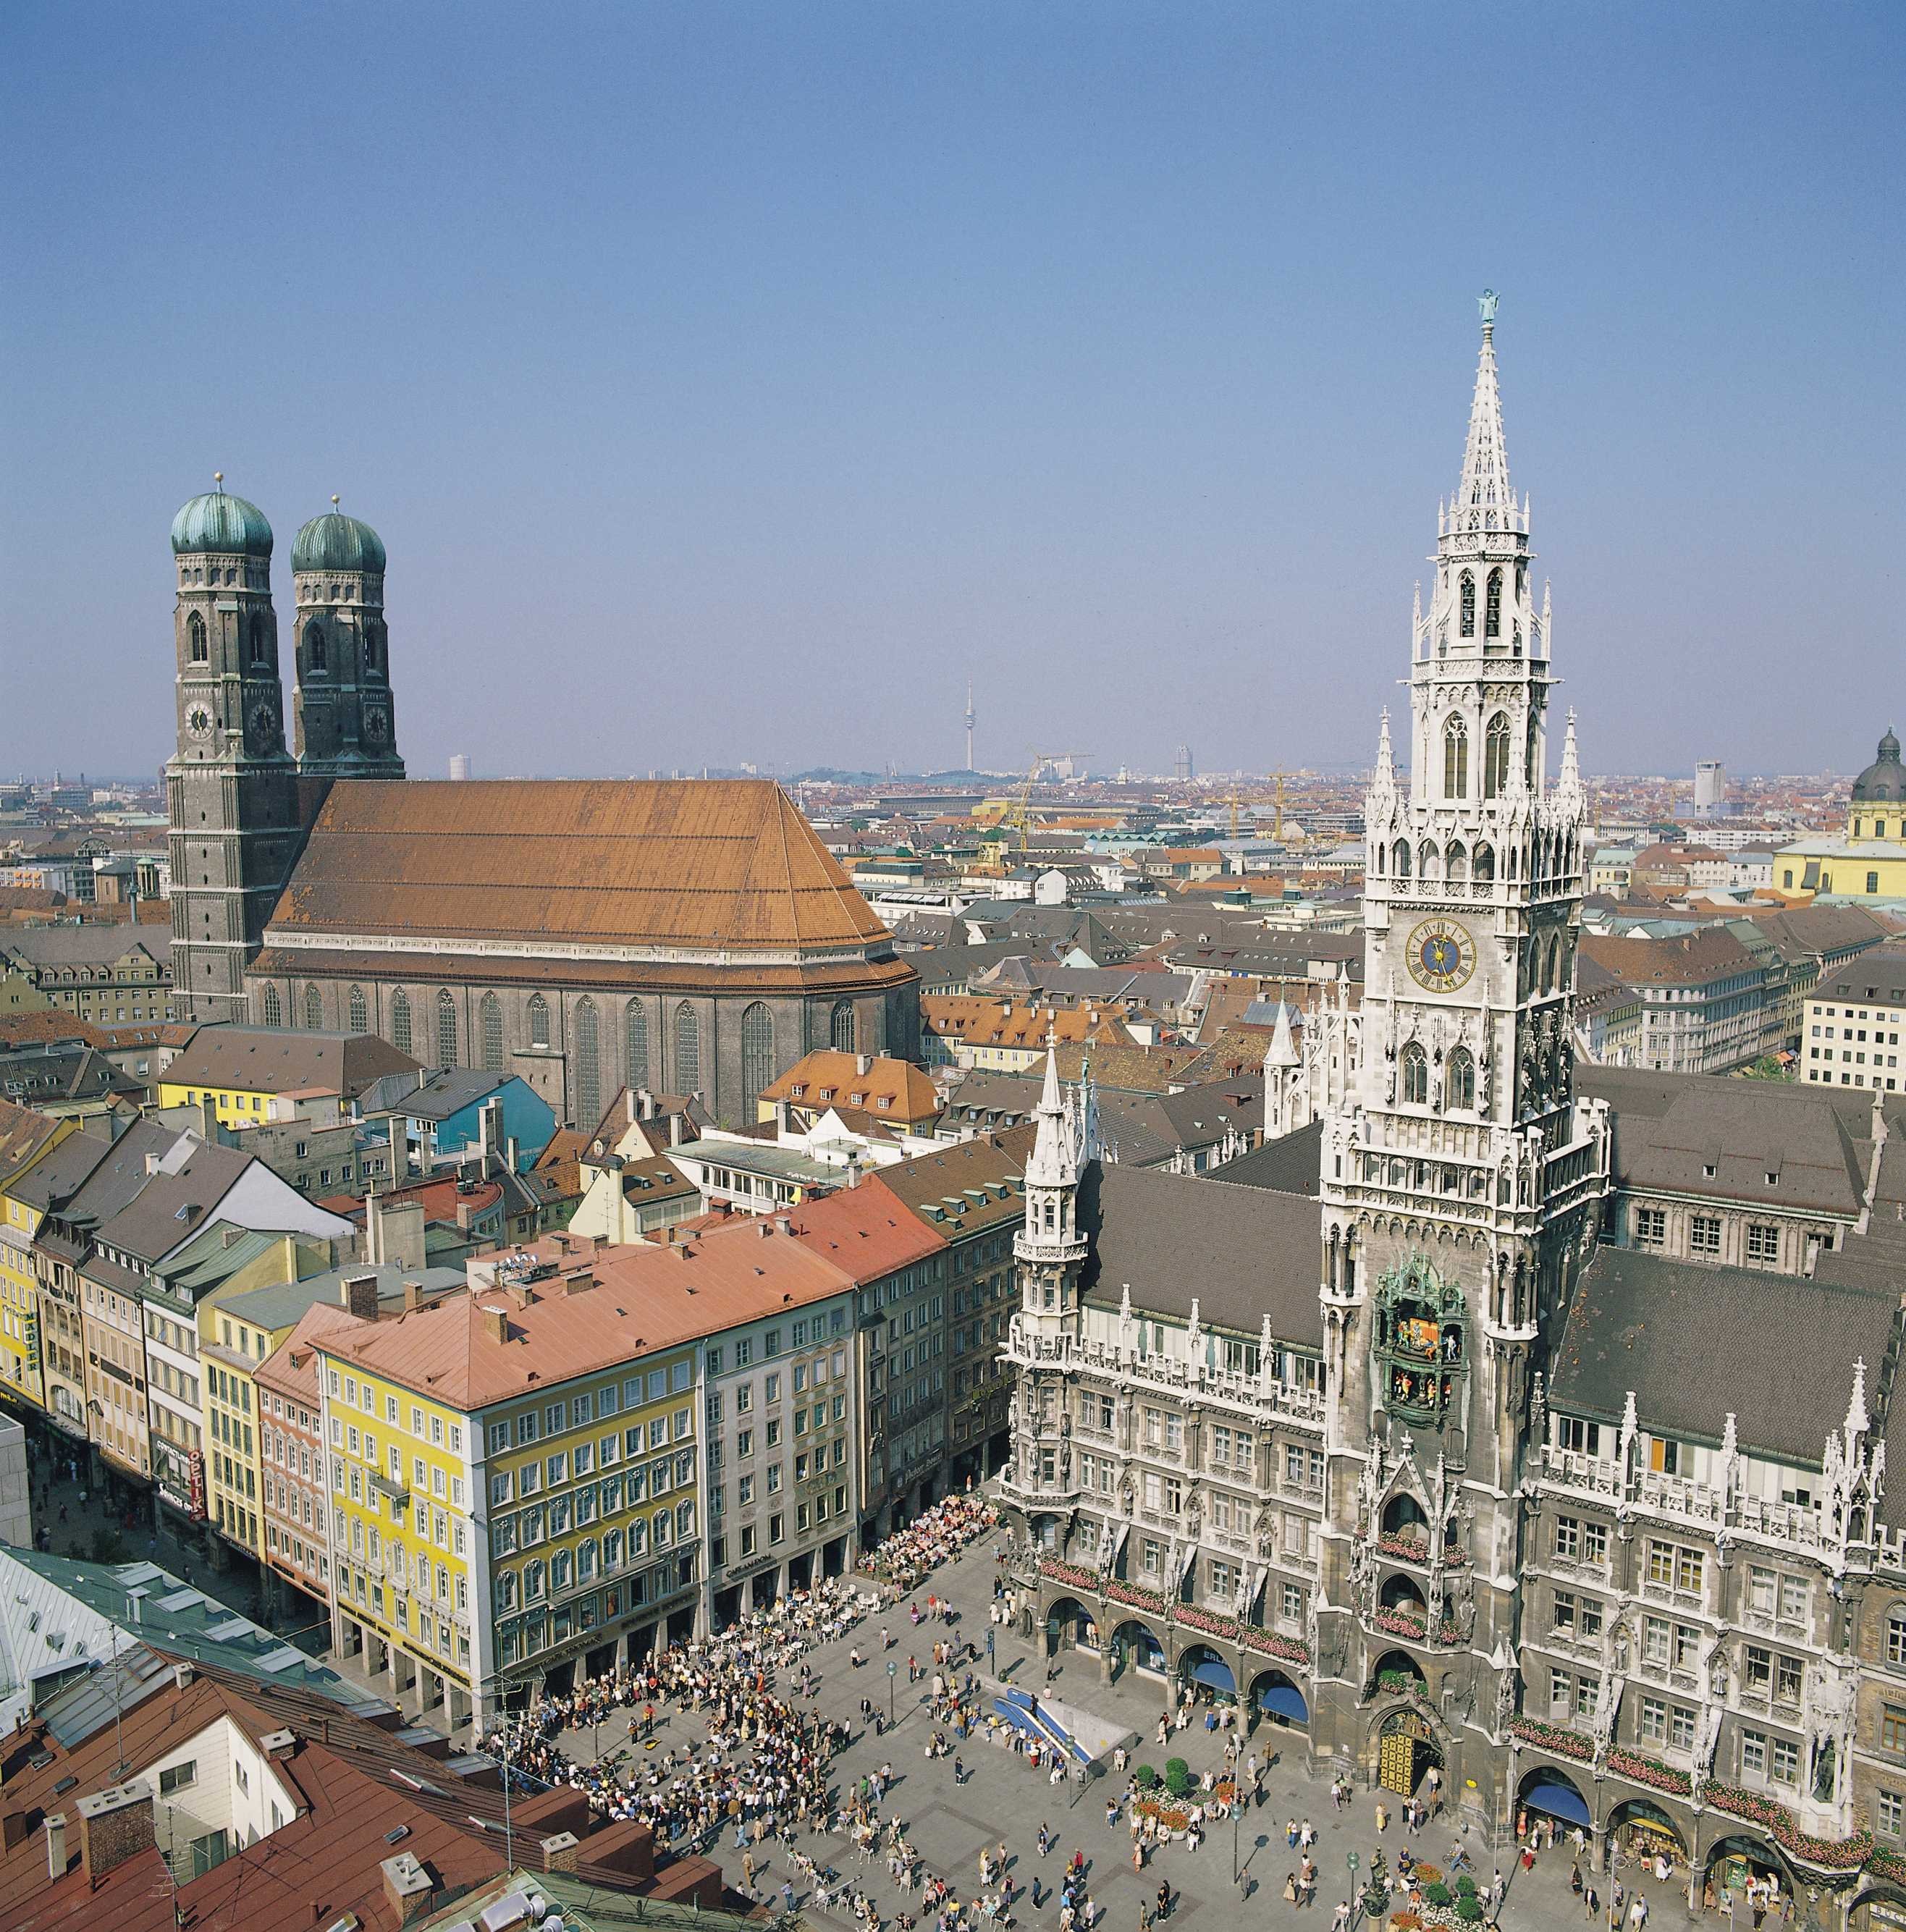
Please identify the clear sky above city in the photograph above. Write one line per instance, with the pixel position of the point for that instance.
(731, 382)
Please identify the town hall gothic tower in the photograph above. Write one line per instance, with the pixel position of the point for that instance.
(1461, 1179)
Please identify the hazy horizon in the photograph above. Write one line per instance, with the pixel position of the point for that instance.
(731, 385)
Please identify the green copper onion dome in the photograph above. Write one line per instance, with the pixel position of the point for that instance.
(1885, 778)
(219, 521)
(335, 542)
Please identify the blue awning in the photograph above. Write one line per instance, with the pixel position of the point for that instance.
(1284, 1700)
(1215, 1672)
(1559, 1801)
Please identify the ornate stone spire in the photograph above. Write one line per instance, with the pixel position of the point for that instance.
(1858, 1421)
(1568, 782)
(1385, 780)
(1054, 1162)
(1485, 484)
(1282, 1051)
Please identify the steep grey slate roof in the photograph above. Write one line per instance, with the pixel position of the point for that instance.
(1241, 1252)
(1671, 1127)
(1290, 1165)
(1695, 1340)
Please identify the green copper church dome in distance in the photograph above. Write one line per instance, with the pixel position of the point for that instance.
(335, 542)
(219, 521)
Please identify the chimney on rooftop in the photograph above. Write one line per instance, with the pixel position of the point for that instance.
(496, 1324)
(358, 1293)
(644, 1104)
(151, 1164)
(407, 1887)
(863, 1064)
(678, 1124)
(279, 1743)
(115, 1825)
(597, 1242)
(413, 1295)
(56, 1845)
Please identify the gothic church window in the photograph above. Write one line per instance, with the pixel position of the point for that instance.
(490, 1024)
(589, 1065)
(313, 1010)
(1456, 865)
(1485, 863)
(840, 1027)
(688, 1050)
(447, 1028)
(1455, 759)
(634, 1046)
(538, 1020)
(401, 1021)
(756, 1048)
(1492, 611)
(1415, 1076)
(1462, 1081)
(1496, 756)
(1400, 861)
(314, 653)
(274, 1016)
(258, 646)
(195, 631)
(360, 1011)
(1468, 594)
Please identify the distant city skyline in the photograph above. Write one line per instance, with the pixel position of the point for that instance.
(729, 388)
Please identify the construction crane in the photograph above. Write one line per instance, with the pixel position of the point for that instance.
(1277, 797)
(1019, 813)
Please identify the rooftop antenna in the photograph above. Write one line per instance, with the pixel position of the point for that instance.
(119, 1734)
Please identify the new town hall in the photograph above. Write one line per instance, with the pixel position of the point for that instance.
(1435, 1435)
(692, 938)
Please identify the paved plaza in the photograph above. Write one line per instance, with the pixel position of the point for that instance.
(1003, 1797)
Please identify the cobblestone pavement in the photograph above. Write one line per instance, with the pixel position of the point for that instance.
(1003, 1797)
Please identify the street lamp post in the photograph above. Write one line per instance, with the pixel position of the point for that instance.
(992, 1667)
(1356, 1896)
(892, 1670)
(1237, 1802)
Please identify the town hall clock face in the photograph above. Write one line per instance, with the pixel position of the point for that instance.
(1441, 955)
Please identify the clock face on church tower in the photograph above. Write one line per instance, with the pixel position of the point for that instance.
(1441, 955)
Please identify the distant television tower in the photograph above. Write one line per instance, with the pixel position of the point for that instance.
(970, 765)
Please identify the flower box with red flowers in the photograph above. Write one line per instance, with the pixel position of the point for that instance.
(1207, 1620)
(1139, 1600)
(1272, 1644)
(1552, 1737)
(1069, 1573)
(1650, 1771)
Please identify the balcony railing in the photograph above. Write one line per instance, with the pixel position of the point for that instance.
(1256, 1394)
(1680, 1499)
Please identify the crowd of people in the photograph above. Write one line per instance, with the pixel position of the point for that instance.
(763, 1770)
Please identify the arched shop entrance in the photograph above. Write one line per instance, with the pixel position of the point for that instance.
(1069, 1626)
(1406, 1748)
(1641, 1829)
(1134, 1644)
(1208, 1675)
(1548, 1793)
(1281, 1701)
(1879, 1908)
(1742, 1868)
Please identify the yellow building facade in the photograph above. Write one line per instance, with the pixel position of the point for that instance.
(236, 1106)
(476, 1549)
(403, 1574)
(1869, 862)
(26, 1138)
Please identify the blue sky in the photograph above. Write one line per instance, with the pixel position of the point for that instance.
(731, 382)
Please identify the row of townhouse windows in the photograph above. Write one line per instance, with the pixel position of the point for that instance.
(591, 1405)
(584, 1503)
(430, 1427)
(1760, 1240)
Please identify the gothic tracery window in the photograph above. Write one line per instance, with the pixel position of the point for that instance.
(688, 1050)
(313, 1010)
(258, 643)
(360, 1011)
(589, 1064)
(314, 656)
(1415, 1076)
(401, 1021)
(634, 1046)
(1496, 756)
(490, 1026)
(447, 1028)
(1466, 591)
(538, 1020)
(840, 1027)
(1455, 759)
(1462, 1081)
(274, 1015)
(1492, 610)
(756, 1048)
(195, 632)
